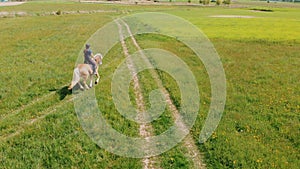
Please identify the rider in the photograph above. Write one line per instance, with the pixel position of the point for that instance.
(88, 58)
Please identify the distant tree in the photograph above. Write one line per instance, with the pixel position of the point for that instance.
(58, 12)
(219, 2)
(227, 2)
(205, 2)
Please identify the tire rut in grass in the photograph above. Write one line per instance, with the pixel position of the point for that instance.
(22, 126)
(23, 107)
(145, 129)
(189, 143)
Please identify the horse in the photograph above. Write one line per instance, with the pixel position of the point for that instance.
(84, 71)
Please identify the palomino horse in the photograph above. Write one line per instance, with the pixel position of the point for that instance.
(85, 71)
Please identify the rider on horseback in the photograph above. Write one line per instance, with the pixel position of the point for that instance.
(88, 58)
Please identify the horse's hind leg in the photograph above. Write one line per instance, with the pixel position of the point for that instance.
(75, 80)
(84, 82)
(73, 83)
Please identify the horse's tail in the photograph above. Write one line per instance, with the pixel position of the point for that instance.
(76, 78)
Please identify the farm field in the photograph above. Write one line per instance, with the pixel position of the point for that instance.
(259, 51)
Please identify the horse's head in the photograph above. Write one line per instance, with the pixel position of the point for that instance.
(98, 58)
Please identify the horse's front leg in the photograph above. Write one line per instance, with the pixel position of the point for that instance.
(98, 77)
(85, 85)
(91, 82)
(81, 87)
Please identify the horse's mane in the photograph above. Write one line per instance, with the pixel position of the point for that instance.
(98, 55)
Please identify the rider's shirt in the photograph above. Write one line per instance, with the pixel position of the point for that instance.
(87, 56)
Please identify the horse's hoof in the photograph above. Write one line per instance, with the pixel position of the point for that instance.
(96, 82)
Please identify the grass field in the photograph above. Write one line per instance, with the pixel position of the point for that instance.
(260, 126)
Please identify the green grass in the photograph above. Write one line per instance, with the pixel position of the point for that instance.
(260, 125)
(257, 108)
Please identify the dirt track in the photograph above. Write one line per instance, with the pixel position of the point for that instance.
(10, 3)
